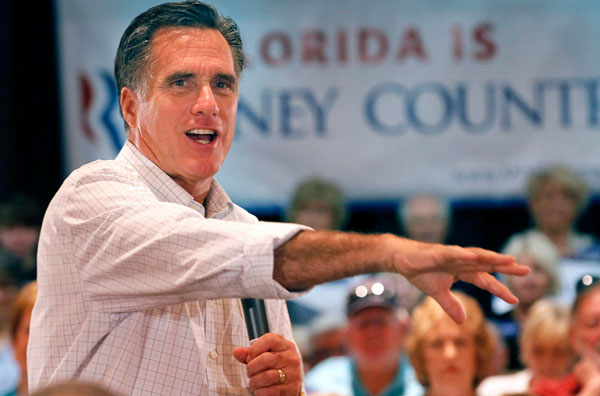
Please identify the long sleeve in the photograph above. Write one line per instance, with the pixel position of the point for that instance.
(125, 242)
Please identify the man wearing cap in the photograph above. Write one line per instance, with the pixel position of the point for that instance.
(374, 338)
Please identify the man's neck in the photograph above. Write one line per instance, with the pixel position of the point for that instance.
(376, 379)
(198, 191)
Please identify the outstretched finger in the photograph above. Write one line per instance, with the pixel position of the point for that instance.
(451, 305)
(488, 282)
(489, 261)
(491, 257)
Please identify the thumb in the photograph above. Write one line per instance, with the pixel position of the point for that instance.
(241, 353)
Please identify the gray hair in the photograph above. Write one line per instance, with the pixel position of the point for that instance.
(405, 214)
(541, 249)
(134, 52)
(573, 184)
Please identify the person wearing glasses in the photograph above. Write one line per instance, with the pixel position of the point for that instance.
(375, 329)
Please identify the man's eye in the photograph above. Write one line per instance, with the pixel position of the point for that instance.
(179, 83)
(222, 84)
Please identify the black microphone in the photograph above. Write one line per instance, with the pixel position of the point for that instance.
(256, 317)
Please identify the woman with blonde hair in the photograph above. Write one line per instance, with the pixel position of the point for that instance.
(545, 350)
(557, 196)
(539, 254)
(448, 358)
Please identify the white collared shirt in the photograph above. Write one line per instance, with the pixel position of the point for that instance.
(139, 285)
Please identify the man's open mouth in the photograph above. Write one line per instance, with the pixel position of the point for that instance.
(202, 136)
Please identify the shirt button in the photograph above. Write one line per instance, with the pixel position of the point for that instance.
(213, 355)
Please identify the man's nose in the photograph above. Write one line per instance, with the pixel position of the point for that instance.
(206, 103)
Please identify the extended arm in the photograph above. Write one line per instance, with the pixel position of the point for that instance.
(314, 257)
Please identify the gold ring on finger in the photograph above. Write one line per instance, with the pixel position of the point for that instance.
(281, 376)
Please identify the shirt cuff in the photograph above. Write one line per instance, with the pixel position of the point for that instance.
(260, 255)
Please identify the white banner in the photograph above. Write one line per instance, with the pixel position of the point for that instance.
(387, 98)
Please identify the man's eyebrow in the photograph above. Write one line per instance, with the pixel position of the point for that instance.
(230, 78)
(171, 78)
(178, 76)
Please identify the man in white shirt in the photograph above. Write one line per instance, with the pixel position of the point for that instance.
(143, 259)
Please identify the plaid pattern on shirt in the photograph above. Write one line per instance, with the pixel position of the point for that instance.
(139, 285)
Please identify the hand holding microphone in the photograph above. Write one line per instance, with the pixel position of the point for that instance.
(284, 372)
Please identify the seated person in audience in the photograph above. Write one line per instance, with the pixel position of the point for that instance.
(536, 252)
(500, 359)
(425, 218)
(375, 331)
(326, 339)
(319, 204)
(20, 317)
(556, 197)
(449, 359)
(545, 350)
(585, 339)
(9, 369)
(20, 220)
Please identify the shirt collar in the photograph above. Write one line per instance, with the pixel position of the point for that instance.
(217, 203)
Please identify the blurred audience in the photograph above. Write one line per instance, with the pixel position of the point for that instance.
(9, 369)
(428, 218)
(536, 252)
(545, 351)
(501, 356)
(319, 204)
(585, 339)
(326, 339)
(374, 336)
(20, 318)
(557, 196)
(449, 359)
(20, 220)
(425, 218)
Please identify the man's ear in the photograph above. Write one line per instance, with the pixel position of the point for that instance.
(129, 106)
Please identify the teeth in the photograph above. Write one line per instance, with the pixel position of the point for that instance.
(202, 136)
(200, 132)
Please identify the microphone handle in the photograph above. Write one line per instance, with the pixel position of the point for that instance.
(255, 313)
